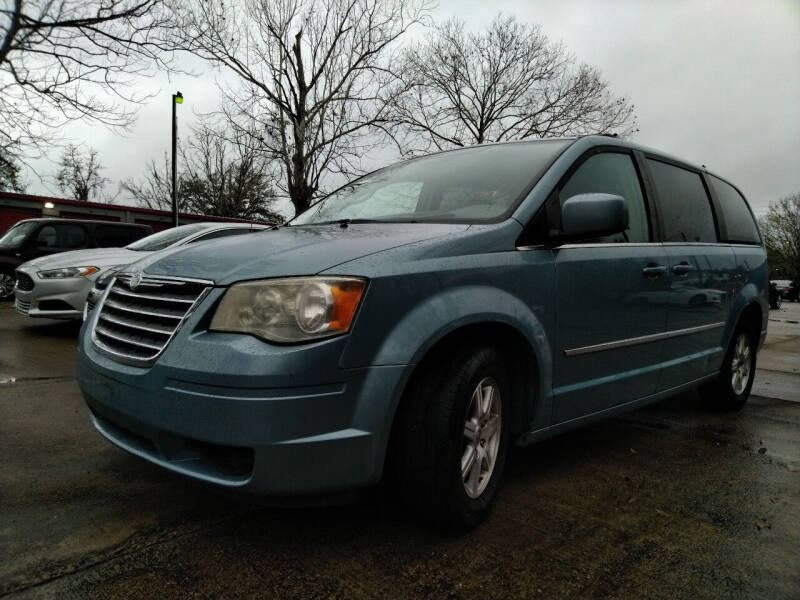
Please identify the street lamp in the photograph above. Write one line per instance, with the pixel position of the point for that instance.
(176, 99)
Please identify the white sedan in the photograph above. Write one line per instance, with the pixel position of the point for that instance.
(56, 286)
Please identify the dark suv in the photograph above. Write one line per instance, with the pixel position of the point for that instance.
(33, 238)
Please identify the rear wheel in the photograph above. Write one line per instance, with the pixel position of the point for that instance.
(452, 436)
(730, 390)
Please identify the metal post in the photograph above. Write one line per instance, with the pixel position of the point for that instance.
(176, 99)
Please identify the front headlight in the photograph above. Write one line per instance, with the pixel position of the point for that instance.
(293, 309)
(68, 272)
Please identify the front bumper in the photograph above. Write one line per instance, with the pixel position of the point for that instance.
(237, 412)
(53, 298)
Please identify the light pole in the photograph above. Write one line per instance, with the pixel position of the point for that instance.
(176, 99)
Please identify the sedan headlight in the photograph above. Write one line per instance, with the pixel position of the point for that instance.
(293, 309)
(68, 272)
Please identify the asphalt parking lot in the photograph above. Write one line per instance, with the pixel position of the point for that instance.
(669, 501)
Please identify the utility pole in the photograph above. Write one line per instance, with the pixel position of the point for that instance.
(176, 99)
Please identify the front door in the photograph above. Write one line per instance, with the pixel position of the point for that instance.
(611, 304)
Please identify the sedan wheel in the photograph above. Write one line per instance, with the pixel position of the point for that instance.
(6, 285)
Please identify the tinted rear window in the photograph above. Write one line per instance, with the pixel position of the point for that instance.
(741, 227)
(684, 205)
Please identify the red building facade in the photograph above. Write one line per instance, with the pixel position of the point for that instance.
(16, 207)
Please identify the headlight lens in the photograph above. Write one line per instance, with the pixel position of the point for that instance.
(293, 309)
(68, 272)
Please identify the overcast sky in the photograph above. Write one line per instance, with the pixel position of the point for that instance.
(714, 82)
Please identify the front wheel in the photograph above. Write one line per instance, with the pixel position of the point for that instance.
(452, 437)
(730, 390)
(6, 285)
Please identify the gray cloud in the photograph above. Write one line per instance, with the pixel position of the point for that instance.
(714, 82)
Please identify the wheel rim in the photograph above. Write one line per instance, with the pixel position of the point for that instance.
(741, 364)
(482, 430)
(6, 285)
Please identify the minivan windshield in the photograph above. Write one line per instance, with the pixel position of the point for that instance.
(164, 239)
(17, 234)
(472, 185)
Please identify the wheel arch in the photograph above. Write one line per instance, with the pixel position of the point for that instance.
(751, 308)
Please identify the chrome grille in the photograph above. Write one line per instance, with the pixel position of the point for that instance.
(24, 282)
(136, 322)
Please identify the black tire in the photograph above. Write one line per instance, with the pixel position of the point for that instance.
(430, 439)
(721, 393)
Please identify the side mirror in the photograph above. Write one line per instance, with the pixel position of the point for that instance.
(593, 215)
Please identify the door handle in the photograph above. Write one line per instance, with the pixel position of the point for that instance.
(682, 268)
(652, 270)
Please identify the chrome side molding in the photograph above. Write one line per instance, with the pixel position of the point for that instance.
(641, 339)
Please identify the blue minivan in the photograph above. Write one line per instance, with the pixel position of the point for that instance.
(420, 320)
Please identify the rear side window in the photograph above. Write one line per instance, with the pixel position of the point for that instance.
(684, 205)
(612, 173)
(739, 223)
(111, 236)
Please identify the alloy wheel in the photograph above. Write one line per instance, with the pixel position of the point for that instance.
(741, 364)
(482, 432)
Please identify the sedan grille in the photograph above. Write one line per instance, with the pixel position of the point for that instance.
(24, 282)
(137, 321)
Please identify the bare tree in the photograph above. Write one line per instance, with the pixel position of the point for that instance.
(227, 179)
(218, 177)
(154, 189)
(314, 77)
(80, 176)
(10, 180)
(62, 60)
(780, 228)
(509, 82)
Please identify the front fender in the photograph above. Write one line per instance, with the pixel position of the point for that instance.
(441, 314)
(412, 335)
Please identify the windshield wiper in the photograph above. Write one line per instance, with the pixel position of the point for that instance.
(345, 222)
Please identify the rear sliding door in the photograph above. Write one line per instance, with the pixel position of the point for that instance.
(700, 273)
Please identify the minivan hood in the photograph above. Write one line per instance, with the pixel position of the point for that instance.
(91, 257)
(288, 251)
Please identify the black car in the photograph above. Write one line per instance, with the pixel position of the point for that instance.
(33, 238)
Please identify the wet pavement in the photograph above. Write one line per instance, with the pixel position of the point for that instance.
(668, 501)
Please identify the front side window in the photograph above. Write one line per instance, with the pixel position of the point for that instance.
(739, 223)
(46, 238)
(684, 205)
(473, 185)
(612, 173)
